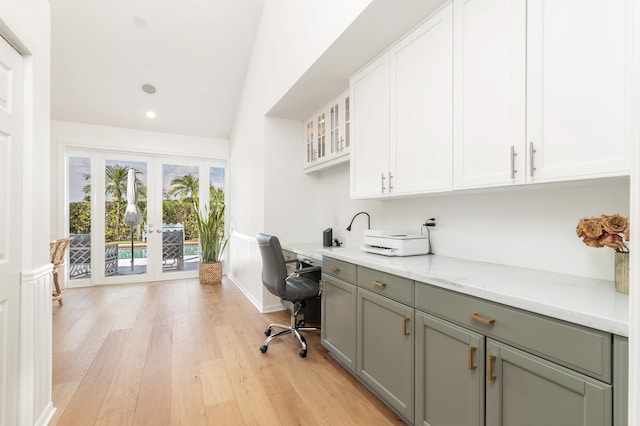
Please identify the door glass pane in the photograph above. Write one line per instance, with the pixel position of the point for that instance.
(79, 217)
(180, 189)
(217, 195)
(125, 250)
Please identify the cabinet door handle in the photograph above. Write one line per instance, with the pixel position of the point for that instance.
(531, 163)
(378, 284)
(513, 162)
(382, 178)
(405, 321)
(470, 351)
(490, 360)
(475, 316)
(390, 176)
(334, 269)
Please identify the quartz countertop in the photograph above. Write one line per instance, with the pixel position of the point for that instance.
(585, 301)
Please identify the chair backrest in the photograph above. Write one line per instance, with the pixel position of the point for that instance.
(57, 249)
(274, 270)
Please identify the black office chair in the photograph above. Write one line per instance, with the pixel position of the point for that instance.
(295, 288)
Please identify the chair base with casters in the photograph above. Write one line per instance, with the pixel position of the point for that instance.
(295, 327)
(302, 285)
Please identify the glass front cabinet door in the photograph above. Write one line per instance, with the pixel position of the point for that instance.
(327, 134)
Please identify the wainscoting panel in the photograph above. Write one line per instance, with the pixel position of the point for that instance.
(3, 359)
(35, 347)
(245, 270)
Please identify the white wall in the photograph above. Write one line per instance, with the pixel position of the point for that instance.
(291, 36)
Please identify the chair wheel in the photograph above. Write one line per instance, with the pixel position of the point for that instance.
(263, 348)
(267, 332)
(303, 353)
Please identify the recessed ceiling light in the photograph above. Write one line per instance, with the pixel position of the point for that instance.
(149, 88)
(151, 114)
(139, 22)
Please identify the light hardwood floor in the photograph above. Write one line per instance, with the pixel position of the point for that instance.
(179, 353)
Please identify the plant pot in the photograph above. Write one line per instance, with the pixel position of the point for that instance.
(210, 273)
(622, 272)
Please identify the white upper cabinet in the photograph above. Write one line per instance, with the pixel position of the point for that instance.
(577, 113)
(402, 115)
(370, 123)
(540, 91)
(421, 67)
(327, 135)
(489, 94)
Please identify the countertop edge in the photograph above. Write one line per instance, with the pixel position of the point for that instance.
(608, 320)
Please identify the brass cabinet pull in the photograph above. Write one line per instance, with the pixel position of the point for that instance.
(475, 316)
(490, 360)
(378, 284)
(405, 321)
(470, 351)
(334, 269)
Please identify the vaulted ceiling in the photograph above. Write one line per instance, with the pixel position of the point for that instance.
(194, 52)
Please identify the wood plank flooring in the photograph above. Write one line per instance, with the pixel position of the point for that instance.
(178, 353)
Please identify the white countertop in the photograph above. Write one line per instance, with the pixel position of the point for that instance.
(585, 301)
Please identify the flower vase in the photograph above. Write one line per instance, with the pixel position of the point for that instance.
(622, 272)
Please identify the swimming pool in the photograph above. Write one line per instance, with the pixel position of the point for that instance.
(141, 252)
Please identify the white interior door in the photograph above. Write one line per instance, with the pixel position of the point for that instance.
(11, 119)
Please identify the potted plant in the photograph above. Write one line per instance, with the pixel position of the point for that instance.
(210, 223)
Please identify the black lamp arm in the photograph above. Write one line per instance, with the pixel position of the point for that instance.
(356, 215)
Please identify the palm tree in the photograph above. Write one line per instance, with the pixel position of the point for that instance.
(185, 188)
(86, 190)
(116, 185)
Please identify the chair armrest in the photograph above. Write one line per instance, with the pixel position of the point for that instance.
(308, 270)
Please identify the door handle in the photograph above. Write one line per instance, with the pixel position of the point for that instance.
(476, 317)
(490, 360)
(405, 321)
(378, 284)
(470, 351)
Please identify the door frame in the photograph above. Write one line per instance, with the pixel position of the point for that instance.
(155, 161)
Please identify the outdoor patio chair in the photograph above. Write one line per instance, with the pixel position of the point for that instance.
(173, 249)
(80, 257)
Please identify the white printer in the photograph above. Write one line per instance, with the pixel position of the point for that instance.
(389, 243)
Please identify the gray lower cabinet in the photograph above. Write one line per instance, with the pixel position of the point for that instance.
(445, 358)
(449, 375)
(523, 389)
(620, 381)
(386, 350)
(338, 332)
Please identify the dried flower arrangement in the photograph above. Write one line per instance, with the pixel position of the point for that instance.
(605, 231)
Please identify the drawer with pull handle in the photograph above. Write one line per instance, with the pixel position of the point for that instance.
(577, 347)
(391, 286)
(339, 269)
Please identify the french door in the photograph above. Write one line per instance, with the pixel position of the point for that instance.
(163, 243)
